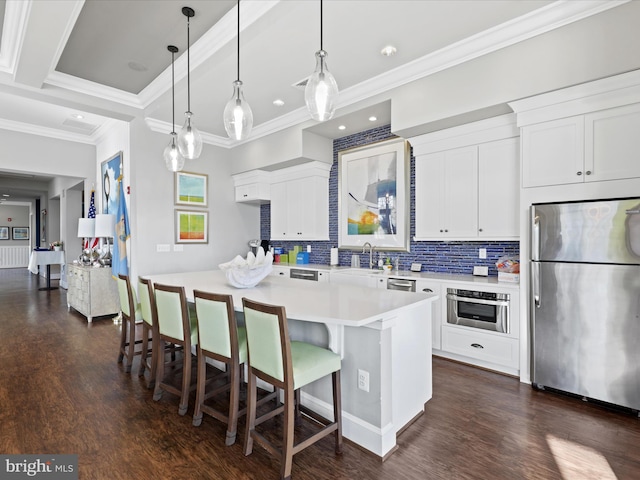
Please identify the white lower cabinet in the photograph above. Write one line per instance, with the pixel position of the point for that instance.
(351, 279)
(429, 286)
(92, 291)
(478, 345)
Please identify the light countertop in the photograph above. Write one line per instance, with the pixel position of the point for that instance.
(347, 305)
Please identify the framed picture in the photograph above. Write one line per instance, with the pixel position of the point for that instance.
(191, 189)
(4, 233)
(192, 226)
(20, 233)
(373, 196)
(110, 171)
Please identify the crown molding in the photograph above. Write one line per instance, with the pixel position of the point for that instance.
(550, 17)
(217, 37)
(73, 18)
(86, 87)
(45, 131)
(16, 14)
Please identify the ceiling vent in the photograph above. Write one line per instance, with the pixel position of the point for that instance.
(82, 126)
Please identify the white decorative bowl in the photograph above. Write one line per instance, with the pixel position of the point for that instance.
(248, 273)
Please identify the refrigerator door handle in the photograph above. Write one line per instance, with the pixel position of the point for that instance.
(535, 283)
(632, 211)
(535, 234)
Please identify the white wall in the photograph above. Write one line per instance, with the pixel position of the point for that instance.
(596, 47)
(152, 209)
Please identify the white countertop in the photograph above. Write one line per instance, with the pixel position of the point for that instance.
(407, 274)
(347, 305)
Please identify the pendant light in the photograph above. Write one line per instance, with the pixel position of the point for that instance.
(189, 138)
(172, 156)
(321, 91)
(238, 117)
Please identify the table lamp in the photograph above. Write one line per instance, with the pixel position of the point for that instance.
(106, 228)
(86, 230)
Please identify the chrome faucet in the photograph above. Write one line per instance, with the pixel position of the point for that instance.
(364, 249)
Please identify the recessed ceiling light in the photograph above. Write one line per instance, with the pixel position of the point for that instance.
(6, 195)
(372, 118)
(342, 127)
(138, 67)
(77, 116)
(388, 51)
(278, 102)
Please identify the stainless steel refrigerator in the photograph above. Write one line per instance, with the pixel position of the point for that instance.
(585, 299)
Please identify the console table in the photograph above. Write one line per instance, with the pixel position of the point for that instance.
(92, 291)
(48, 258)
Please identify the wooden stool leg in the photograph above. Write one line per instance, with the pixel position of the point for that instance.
(251, 413)
(287, 441)
(337, 409)
(234, 404)
(123, 339)
(186, 382)
(131, 346)
(157, 392)
(201, 382)
(145, 349)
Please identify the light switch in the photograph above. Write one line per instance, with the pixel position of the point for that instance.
(163, 247)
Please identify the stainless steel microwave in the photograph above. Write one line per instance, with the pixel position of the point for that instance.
(485, 310)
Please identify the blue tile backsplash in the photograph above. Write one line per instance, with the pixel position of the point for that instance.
(445, 257)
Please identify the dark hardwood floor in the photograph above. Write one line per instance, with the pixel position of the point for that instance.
(63, 392)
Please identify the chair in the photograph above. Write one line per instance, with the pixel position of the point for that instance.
(288, 365)
(219, 338)
(149, 325)
(175, 326)
(130, 315)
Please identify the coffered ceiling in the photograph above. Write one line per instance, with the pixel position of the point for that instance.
(67, 67)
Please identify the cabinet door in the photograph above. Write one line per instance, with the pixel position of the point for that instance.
(279, 211)
(461, 192)
(553, 152)
(612, 143)
(429, 191)
(498, 189)
(429, 286)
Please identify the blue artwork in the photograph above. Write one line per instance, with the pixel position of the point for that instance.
(109, 173)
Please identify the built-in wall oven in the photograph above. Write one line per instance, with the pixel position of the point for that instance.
(486, 310)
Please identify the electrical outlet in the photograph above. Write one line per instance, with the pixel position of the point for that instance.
(163, 247)
(482, 253)
(309, 248)
(363, 380)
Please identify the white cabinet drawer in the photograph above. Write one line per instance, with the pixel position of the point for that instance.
(482, 346)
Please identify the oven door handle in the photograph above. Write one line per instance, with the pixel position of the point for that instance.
(501, 303)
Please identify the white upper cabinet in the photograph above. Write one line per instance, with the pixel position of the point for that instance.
(472, 191)
(300, 203)
(498, 189)
(447, 194)
(581, 134)
(612, 143)
(553, 152)
(252, 187)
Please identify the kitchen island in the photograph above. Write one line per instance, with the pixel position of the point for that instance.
(383, 337)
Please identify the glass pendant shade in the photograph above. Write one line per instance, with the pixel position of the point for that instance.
(172, 157)
(238, 117)
(321, 91)
(189, 139)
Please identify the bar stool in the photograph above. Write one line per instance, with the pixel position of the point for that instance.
(219, 338)
(130, 315)
(177, 327)
(288, 365)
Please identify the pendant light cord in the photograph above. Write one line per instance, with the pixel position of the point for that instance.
(238, 40)
(173, 96)
(188, 68)
(321, 25)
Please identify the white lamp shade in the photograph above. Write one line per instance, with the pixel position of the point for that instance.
(105, 225)
(86, 227)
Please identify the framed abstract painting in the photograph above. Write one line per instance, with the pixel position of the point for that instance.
(373, 196)
(192, 226)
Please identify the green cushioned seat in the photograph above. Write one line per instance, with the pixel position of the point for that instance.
(287, 365)
(128, 304)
